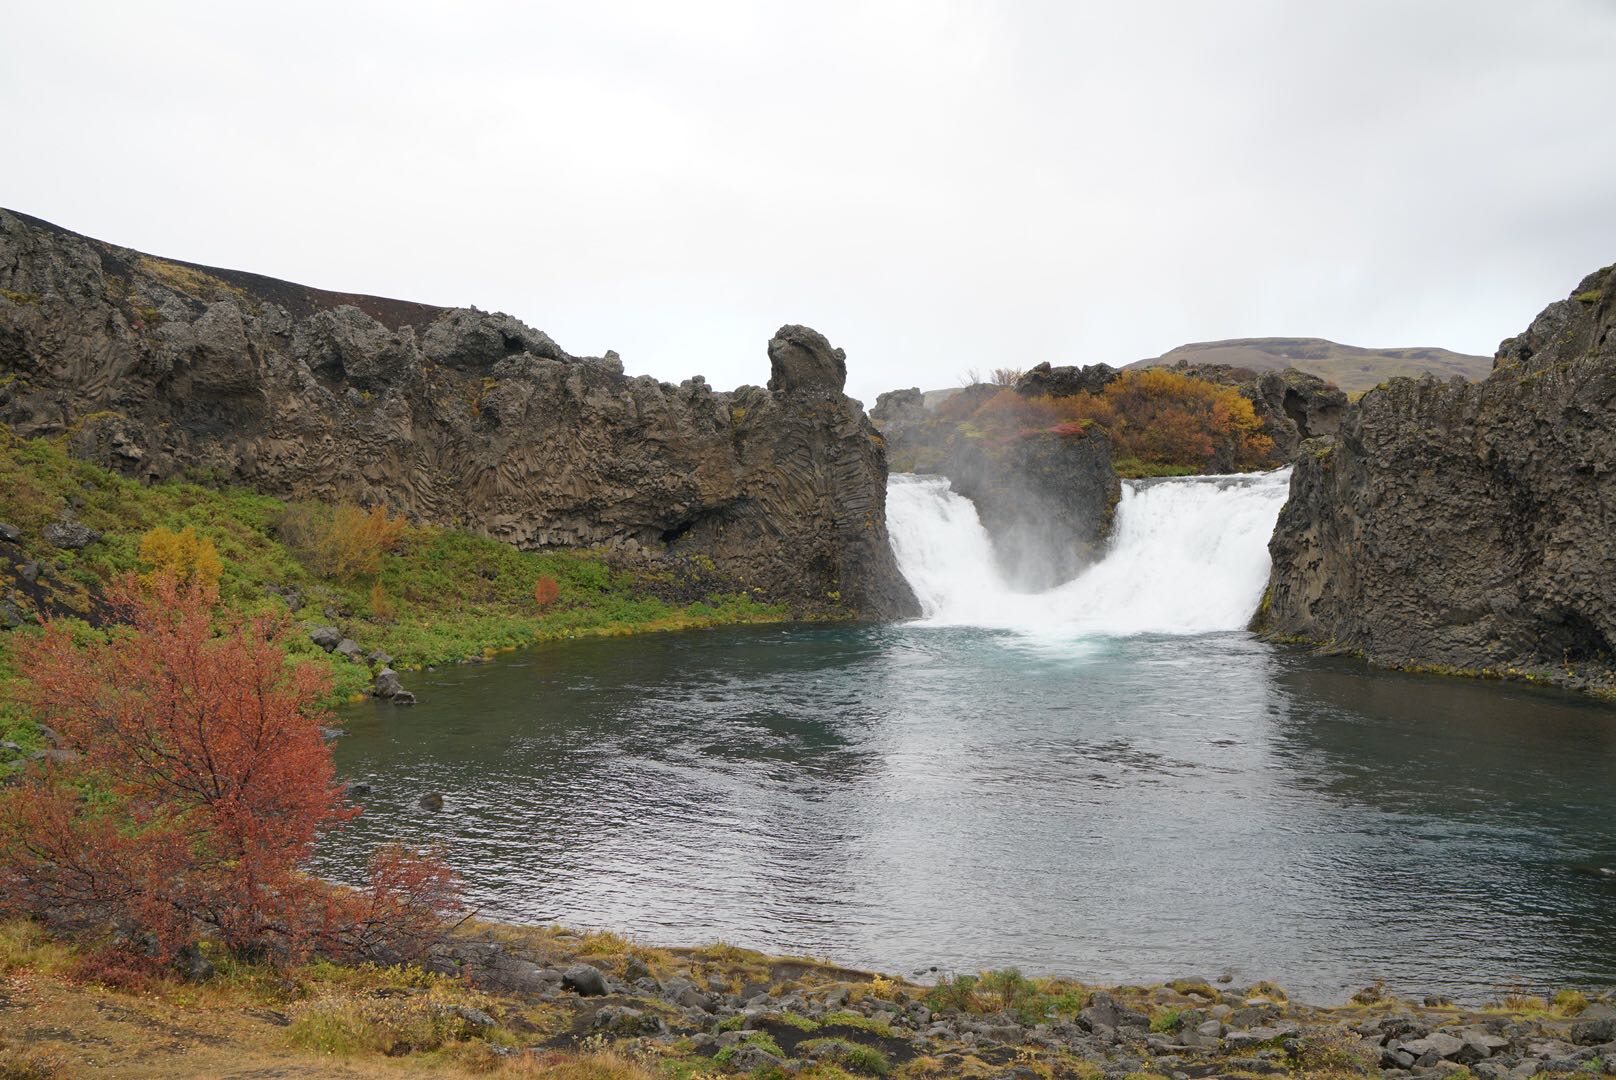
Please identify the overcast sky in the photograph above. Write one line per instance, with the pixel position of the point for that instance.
(936, 186)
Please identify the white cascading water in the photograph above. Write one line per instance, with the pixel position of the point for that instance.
(1187, 555)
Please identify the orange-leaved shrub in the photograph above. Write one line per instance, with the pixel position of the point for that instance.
(1157, 416)
(192, 782)
(341, 541)
(545, 591)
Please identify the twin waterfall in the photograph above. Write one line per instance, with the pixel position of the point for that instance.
(1187, 555)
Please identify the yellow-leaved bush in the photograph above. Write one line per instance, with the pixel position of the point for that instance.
(189, 558)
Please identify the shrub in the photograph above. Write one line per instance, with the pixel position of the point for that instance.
(183, 555)
(341, 541)
(198, 783)
(1031, 1000)
(545, 592)
(1570, 1002)
(382, 607)
(852, 1055)
(1159, 417)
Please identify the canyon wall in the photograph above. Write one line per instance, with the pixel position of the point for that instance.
(1468, 525)
(452, 415)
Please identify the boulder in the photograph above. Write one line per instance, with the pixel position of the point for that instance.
(1438, 1043)
(1042, 380)
(71, 535)
(801, 360)
(9, 533)
(1595, 1031)
(327, 637)
(349, 648)
(29, 572)
(585, 980)
(624, 1021)
(473, 1017)
(386, 684)
(749, 1057)
(193, 966)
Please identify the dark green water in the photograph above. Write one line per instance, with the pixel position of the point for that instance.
(909, 796)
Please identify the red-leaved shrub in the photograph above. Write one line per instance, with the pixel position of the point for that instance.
(545, 591)
(197, 782)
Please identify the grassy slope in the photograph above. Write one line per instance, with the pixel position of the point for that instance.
(455, 595)
(1350, 367)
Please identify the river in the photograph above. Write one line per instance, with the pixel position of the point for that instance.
(1111, 780)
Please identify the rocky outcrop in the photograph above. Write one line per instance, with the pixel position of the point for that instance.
(1293, 405)
(1045, 499)
(1464, 525)
(1042, 380)
(451, 415)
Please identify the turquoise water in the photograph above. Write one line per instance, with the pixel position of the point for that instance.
(912, 796)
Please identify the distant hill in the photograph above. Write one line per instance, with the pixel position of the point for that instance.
(1351, 368)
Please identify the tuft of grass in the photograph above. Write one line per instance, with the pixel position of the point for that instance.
(796, 1020)
(859, 1021)
(1569, 1002)
(1166, 1021)
(24, 945)
(851, 1055)
(18, 1062)
(343, 1025)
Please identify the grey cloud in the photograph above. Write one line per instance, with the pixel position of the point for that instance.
(936, 186)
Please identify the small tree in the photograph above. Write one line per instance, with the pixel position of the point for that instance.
(184, 555)
(196, 784)
(546, 592)
(342, 541)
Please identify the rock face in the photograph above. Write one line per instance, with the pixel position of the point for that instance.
(1468, 525)
(1044, 499)
(454, 416)
(1042, 380)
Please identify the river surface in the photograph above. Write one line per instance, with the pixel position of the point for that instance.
(1109, 781)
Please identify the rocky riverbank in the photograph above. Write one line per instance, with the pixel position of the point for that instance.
(541, 1002)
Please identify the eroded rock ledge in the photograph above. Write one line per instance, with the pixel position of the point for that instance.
(1468, 526)
(452, 415)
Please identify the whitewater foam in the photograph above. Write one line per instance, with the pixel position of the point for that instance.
(1187, 555)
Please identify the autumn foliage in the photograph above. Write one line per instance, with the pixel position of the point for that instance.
(192, 783)
(545, 592)
(342, 541)
(184, 555)
(1156, 416)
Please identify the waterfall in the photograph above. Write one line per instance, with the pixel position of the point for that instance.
(1187, 555)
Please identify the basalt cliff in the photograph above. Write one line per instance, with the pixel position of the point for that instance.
(452, 415)
(1468, 525)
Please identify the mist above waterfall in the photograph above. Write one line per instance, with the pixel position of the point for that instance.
(1187, 555)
